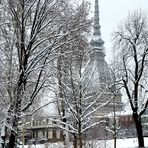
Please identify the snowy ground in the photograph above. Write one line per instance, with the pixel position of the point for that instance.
(121, 143)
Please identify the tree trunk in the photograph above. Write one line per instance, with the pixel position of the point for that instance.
(13, 135)
(138, 125)
(80, 141)
(115, 140)
(3, 136)
(12, 140)
(75, 141)
(80, 135)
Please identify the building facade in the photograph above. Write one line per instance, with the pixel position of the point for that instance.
(41, 130)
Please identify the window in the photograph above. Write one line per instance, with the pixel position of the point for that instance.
(47, 121)
(36, 122)
(54, 122)
(33, 122)
(40, 134)
(33, 134)
(40, 122)
(126, 118)
(36, 134)
(146, 111)
(46, 132)
(50, 134)
(43, 133)
(58, 134)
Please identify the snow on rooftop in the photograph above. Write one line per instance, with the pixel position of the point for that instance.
(120, 113)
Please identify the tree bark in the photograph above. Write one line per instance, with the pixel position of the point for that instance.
(138, 125)
(75, 141)
(80, 141)
(12, 140)
(16, 118)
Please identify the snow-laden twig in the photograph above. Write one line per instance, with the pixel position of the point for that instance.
(93, 111)
(93, 102)
(70, 128)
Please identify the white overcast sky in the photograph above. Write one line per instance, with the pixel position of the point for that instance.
(112, 12)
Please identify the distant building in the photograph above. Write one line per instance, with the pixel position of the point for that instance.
(145, 122)
(41, 130)
(145, 117)
(126, 126)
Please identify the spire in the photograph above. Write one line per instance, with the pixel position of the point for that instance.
(97, 42)
(96, 20)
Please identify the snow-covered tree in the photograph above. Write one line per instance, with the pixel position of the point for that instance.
(32, 32)
(131, 52)
(76, 102)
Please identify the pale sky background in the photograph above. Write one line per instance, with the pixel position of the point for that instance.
(112, 12)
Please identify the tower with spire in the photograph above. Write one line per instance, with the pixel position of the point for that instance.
(99, 73)
(102, 76)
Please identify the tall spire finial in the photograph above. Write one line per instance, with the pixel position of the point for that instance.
(97, 42)
(96, 20)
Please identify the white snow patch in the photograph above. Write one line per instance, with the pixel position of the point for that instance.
(121, 143)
